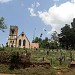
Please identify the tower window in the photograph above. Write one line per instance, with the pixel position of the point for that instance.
(20, 42)
(24, 42)
(12, 31)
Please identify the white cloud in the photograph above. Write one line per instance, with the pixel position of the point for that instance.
(37, 4)
(32, 8)
(32, 12)
(58, 16)
(4, 1)
(73, 1)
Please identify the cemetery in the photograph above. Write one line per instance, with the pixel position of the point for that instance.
(18, 59)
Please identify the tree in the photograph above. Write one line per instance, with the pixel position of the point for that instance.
(54, 40)
(37, 40)
(2, 24)
(67, 36)
(73, 24)
(65, 32)
(54, 36)
(44, 43)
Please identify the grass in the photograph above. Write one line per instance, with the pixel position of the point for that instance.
(27, 71)
(38, 56)
(52, 57)
(41, 53)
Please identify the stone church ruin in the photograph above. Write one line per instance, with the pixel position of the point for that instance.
(21, 41)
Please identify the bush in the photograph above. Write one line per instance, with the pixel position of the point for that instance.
(2, 49)
(25, 59)
(4, 57)
(15, 60)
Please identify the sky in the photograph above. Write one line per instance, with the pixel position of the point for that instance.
(33, 17)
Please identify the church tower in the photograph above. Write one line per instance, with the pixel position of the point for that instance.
(12, 39)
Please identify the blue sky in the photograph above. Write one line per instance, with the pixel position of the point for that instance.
(39, 14)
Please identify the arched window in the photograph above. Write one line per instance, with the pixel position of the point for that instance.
(24, 42)
(20, 42)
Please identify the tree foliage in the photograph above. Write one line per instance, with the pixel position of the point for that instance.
(45, 43)
(67, 36)
(42, 42)
(2, 24)
(54, 36)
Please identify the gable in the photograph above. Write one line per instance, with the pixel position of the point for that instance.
(23, 36)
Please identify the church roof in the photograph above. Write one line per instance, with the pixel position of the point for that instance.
(23, 35)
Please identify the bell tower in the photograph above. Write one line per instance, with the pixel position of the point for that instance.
(13, 30)
(12, 39)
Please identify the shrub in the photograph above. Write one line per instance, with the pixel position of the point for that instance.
(25, 59)
(15, 60)
(4, 57)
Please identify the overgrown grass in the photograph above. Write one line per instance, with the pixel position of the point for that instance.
(38, 55)
(27, 71)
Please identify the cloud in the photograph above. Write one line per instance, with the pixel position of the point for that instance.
(37, 4)
(73, 1)
(4, 1)
(58, 16)
(32, 12)
(32, 8)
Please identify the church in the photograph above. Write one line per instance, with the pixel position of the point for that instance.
(14, 40)
(20, 41)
